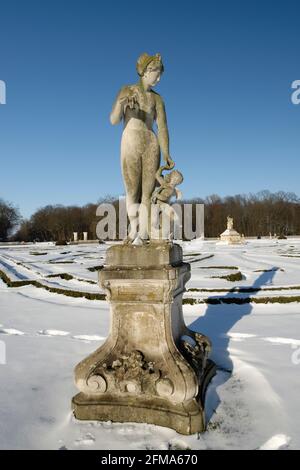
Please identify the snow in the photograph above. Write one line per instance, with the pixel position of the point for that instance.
(53, 333)
(280, 441)
(10, 331)
(252, 402)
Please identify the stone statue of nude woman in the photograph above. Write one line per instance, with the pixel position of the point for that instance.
(139, 106)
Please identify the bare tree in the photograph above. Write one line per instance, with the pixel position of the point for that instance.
(9, 219)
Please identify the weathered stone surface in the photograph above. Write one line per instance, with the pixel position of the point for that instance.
(149, 255)
(152, 368)
(138, 106)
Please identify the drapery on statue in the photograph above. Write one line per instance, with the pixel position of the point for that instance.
(139, 106)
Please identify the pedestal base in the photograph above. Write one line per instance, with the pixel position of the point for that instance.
(231, 237)
(186, 418)
(152, 368)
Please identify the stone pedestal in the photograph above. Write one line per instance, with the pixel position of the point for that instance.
(85, 236)
(152, 368)
(231, 237)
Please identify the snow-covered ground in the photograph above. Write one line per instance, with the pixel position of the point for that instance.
(251, 403)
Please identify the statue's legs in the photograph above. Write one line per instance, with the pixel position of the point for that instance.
(150, 165)
(140, 155)
(166, 220)
(131, 163)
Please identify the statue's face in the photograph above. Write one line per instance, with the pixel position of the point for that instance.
(152, 76)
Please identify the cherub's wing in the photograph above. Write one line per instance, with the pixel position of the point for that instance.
(178, 193)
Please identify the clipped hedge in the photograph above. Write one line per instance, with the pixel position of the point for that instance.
(242, 300)
(230, 277)
(55, 290)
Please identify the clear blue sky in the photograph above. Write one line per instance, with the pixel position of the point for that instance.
(229, 66)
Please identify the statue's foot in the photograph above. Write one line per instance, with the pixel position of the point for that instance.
(136, 240)
(128, 240)
(139, 241)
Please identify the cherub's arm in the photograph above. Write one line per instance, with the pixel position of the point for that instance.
(159, 176)
(178, 193)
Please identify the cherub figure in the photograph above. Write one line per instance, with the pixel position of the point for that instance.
(167, 188)
(163, 194)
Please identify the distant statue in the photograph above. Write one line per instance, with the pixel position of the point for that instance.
(231, 236)
(139, 106)
(229, 223)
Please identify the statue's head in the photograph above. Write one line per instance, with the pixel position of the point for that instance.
(176, 177)
(150, 68)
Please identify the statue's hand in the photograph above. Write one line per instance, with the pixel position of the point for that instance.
(129, 100)
(133, 101)
(169, 162)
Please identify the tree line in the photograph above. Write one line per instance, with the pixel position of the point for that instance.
(254, 215)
